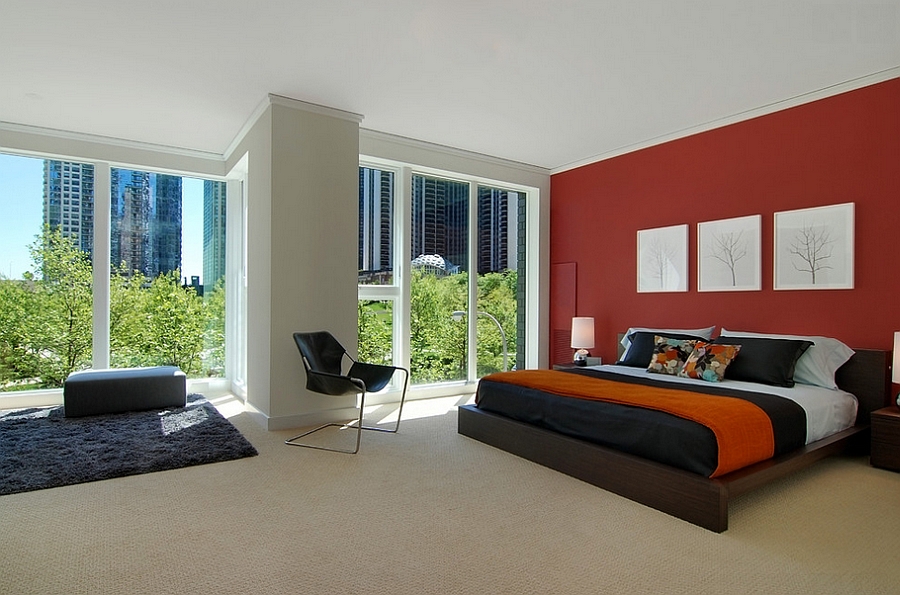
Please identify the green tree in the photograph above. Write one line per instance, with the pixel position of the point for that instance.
(62, 310)
(214, 336)
(19, 362)
(128, 318)
(437, 342)
(375, 324)
(175, 324)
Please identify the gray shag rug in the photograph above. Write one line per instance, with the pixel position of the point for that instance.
(41, 448)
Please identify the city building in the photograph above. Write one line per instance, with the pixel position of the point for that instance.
(376, 240)
(213, 233)
(69, 200)
(145, 226)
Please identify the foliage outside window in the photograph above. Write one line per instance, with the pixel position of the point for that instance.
(46, 321)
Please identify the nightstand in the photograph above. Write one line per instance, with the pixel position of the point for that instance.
(886, 438)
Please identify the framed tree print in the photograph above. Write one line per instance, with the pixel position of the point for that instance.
(662, 259)
(814, 248)
(729, 254)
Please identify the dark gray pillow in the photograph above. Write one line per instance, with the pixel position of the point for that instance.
(764, 360)
(640, 353)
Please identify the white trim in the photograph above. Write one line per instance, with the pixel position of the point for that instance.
(412, 143)
(109, 141)
(314, 108)
(770, 108)
(101, 265)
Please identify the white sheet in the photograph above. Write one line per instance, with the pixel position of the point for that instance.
(827, 411)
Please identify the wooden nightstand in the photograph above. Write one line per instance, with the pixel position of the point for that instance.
(886, 438)
(565, 366)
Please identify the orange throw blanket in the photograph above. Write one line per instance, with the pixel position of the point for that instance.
(743, 431)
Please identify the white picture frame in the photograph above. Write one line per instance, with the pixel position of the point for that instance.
(814, 248)
(662, 259)
(729, 252)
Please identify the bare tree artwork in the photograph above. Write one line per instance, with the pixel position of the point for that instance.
(728, 247)
(813, 247)
(660, 256)
(662, 259)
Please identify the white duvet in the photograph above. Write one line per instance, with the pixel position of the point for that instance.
(827, 411)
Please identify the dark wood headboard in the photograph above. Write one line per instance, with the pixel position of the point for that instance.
(868, 376)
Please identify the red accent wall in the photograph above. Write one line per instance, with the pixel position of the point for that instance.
(840, 149)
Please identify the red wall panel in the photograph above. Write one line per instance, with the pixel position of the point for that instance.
(840, 149)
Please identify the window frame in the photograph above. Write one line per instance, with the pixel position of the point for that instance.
(400, 291)
(234, 379)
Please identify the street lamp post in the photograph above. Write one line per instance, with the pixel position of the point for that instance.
(458, 315)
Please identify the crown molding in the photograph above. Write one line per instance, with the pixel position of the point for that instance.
(404, 141)
(777, 106)
(85, 137)
(275, 99)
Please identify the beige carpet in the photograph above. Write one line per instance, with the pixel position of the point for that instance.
(430, 511)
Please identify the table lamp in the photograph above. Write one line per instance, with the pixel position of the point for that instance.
(583, 338)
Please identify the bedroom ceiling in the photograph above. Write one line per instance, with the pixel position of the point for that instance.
(548, 83)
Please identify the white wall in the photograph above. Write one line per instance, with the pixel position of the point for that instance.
(302, 251)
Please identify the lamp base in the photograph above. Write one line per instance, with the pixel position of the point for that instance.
(580, 357)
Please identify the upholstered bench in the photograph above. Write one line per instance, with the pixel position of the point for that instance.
(92, 392)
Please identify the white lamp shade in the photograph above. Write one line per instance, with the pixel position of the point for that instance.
(895, 368)
(582, 332)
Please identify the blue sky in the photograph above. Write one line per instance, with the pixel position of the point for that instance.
(21, 216)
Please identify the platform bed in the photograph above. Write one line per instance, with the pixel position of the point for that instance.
(688, 496)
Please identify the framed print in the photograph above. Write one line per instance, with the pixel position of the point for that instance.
(814, 248)
(662, 259)
(729, 254)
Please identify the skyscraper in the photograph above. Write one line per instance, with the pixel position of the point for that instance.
(145, 226)
(376, 238)
(493, 229)
(213, 233)
(440, 219)
(69, 200)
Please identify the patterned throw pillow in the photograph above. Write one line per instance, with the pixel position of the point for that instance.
(670, 354)
(709, 361)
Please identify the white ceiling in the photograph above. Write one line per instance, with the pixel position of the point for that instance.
(545, 82)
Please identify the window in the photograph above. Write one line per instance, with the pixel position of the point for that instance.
(378, 290)
(166, 274)
(463, 273)
(46, 291)
(438, 280)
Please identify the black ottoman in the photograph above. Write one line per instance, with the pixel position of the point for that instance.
(92, 392)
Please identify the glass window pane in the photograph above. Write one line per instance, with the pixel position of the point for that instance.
(167, 305)
(438, 287)
(46, 285)
(501, 280)
(376, 226)
(376, 329)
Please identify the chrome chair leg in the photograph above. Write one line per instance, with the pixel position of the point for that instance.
(399, 411)
(359, 429)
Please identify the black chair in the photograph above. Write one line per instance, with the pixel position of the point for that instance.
(323, 358)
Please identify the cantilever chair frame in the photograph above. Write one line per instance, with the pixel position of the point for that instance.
(352, 385)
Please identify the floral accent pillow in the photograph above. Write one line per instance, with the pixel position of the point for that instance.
(670, 354)
(708, 361)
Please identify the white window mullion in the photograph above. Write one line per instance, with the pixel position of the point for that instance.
(472, 318)
(403, 265)
(101, 267)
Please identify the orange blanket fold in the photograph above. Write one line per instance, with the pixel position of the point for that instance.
(743, 431)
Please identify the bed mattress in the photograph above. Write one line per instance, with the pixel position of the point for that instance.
(799, 415)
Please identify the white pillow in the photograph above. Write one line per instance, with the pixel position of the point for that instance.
(818, 364)
(706, 333)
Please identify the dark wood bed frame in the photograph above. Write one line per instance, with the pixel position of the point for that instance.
(688, 496)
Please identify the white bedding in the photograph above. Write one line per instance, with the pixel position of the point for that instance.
(827, 411)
